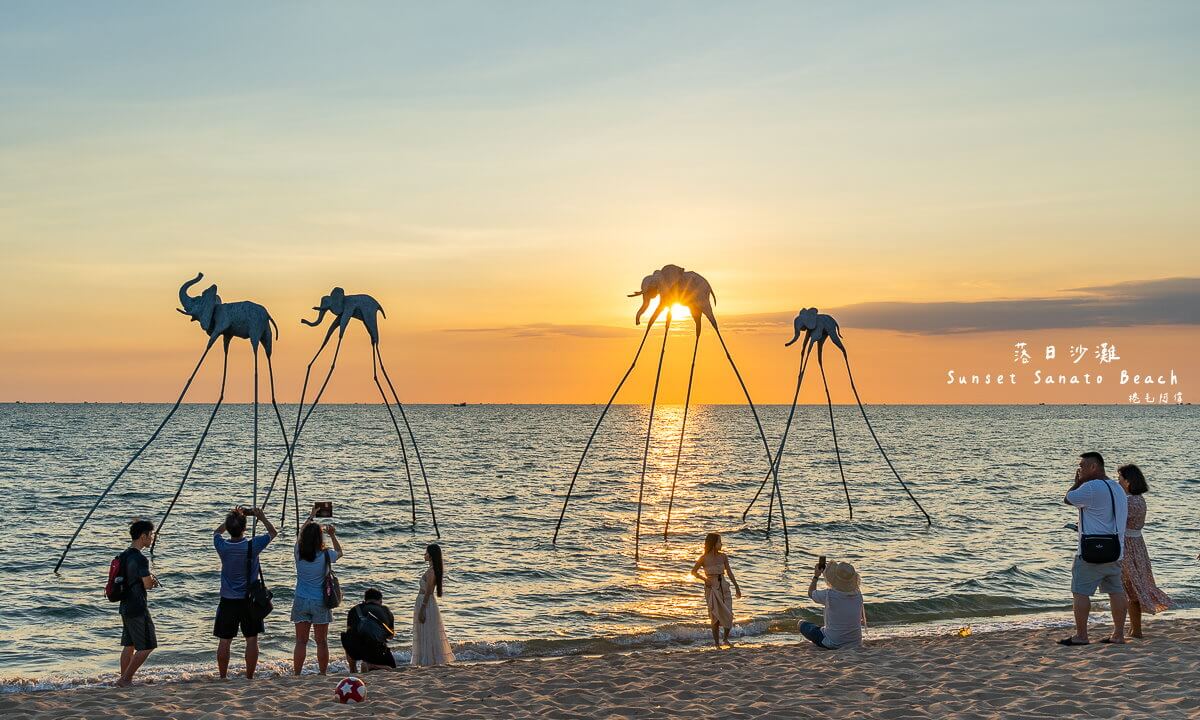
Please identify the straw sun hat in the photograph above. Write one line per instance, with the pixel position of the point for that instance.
(842, 577)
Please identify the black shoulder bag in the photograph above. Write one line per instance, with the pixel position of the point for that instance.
(1099, 549)
(333, 587)
(256, 590)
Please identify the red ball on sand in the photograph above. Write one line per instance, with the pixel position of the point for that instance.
(350, 690)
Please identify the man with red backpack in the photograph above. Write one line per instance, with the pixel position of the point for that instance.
(129, 579)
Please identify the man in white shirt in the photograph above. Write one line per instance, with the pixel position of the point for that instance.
(1103, 510)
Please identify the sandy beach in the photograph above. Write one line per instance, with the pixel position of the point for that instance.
(998, 675)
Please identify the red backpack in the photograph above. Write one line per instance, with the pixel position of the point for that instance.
(116, 588)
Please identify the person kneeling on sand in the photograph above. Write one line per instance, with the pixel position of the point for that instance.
(368, 628)
(845, 615)
(138, 639)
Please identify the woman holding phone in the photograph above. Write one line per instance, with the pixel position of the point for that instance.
(309, 613)
(716, 588)
(845, 615)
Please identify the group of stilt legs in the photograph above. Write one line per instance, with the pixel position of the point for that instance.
(682, 433)
(302, 417)
(775, 497)
(290, 486)
(805, 355)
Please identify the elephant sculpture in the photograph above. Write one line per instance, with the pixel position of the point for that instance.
(347, 307)
(817, 328)
(673, 285)
(366, 309)
(244, 319)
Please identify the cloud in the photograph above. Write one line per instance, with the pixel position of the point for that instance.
(533, 330)
(1167, 301)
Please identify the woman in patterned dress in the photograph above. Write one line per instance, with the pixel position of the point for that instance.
(1136, 573)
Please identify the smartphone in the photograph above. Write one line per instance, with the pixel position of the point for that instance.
(323, 509)
(821, 563)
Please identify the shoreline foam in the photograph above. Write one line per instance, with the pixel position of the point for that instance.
(1014, 673)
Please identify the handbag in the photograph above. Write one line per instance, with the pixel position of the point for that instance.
(333, 586)
(1099, 549)
(257, 591)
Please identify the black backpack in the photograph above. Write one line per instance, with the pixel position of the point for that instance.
(371, 627)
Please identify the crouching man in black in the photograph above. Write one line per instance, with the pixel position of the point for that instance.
(369, 625)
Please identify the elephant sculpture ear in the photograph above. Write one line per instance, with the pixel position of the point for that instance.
(208, 303)
(649, 285)
(809, 317)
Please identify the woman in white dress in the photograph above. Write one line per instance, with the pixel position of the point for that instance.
(430, 646)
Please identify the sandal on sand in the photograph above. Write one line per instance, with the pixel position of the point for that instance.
(1071, 642)
(1110, 641)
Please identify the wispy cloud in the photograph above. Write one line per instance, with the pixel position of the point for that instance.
(1167, 301)
(531, 330)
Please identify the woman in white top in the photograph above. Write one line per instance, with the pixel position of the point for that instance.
(845, 615)
(309, 612)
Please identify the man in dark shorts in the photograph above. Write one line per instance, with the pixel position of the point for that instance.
(234, 611)
(138, 639)
(369, 625)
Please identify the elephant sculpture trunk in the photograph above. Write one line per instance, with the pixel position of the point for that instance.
(186, 300)
(641, 310)
(795, 337)
(320, 317)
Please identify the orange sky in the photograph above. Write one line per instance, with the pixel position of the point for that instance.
(539, 366)
(501, 188)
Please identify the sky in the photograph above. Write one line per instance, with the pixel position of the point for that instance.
(947, 179)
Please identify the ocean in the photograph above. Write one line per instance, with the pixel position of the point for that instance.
(992, 478)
